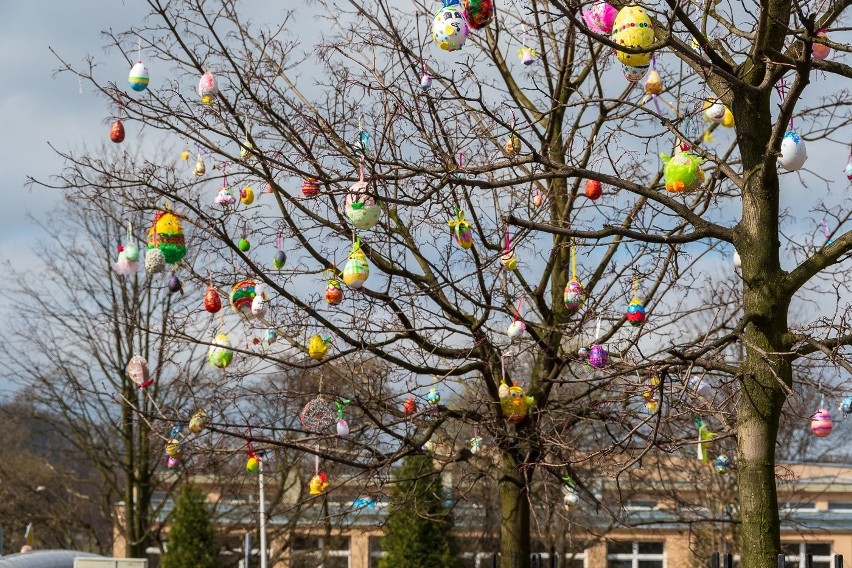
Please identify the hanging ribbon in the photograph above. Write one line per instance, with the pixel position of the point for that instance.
(518, 309)
(139, 48)
(280, 241)
(249, 445)
(704, 436)
(781, 89)
(635, 287)
(573, 262)
(598, 330)
(508, 240)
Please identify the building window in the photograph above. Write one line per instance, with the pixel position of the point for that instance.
(625, 554)
(840, 506)
(320, 552)
(376, 551)
(795, 552)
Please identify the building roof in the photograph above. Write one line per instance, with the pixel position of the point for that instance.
(44, 559)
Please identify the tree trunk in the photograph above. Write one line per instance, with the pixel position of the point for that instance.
(515, 515)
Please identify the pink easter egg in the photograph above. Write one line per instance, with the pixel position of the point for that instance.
(821, 423)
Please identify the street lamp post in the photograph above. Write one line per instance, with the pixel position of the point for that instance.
(262, 512)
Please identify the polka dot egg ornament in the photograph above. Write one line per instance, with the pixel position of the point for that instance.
(633, 28)
(821, 423)
(449, 28)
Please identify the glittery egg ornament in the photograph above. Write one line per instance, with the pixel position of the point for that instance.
(318, 415)
(449, 28)
(593, 189)
(137, 371)
(635, 312)
(598, 357)
(573, 296)
(155, 262)
(242, 296)
(820, 51)
(357, 269)
(821, 423)
(138, 78)
(116, 132)
(166, 234)
(212, 302)
(633, 28)
(478, 13)
(220, 355)
(723, 463)
(361, 208)
(600, 17)
(793, 152)
(207, 88)
(682, 171)
(200, 168)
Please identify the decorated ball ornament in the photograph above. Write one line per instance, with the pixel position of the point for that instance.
(279, 260)
(318, 484)
(478, 13)
(635, 312)
(821, 423)
(198, 422)
(516, 405)
(220, 355)
(357, 269)
(318, 347)
(723, 463)
(573, 296)
(318, 415)
(258, 306)
(793, 152)
(714, 111)
(155, 262)
(207, 88)
(137, 371)
(425, 81)
(116, 132)
(166, 234)
(820, 50)
(633, 28)
(361, 208)
(310, 187)
(593, 189)
(225, 197)
(212, 302)
(600, 17)
(682, 171)
(243, 244)
(598, 357)
(461, 230)
(242, 295)
(449, 28)
(570, 498)
(138, 78)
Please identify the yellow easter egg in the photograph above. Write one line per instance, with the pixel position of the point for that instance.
(633, 28)
(247, 195)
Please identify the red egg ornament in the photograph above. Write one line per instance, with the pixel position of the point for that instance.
(116, 133)
(212, 301)
(593, 189)
(310, 187)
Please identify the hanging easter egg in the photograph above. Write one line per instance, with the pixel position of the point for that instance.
(253, 464)
(198, 422)
(433, 397)
(225, 197)
(124, 265)
(246, 148)
(166, 234)
(573, 296)
(172, 463)
(116, 133)
(714, 111)
(154, 261)
(138, 78)
(508, 260)
(449, 28)
(633, 28)
(357, 269)
(461, 230)
(247, 195)
(173, 447)
(728, 119)
(207, 88)
(318, 415)
(175, 284)
(475, 445)
(333, 293)
(212, 302)
(516, 405)
(820, 51)
(683, 171)
(516, 329)
(478, 13)
(200, 168)
(318, 484)
(279, 260)
(310, 187)
(635, 312)
(243, 244)
(593, 189)
(361, 208)
(653, 84)
(651, 402)
(342, 428)
(527, 55)
(258, 306)
(318, 347)
(793, 152)
(846, 405)
(600, 17)
(723, 463)
(598, 357)
(848, 170)
(409, 406)
(570, 499)
(634, 73)
(425, 81)
(137, 371)
(512, 145)
(131, 251)
(736, 260)
(220, 355)
(537, 198)
(242, 296)
(821, 423)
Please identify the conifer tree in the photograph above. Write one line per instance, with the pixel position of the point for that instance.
(419, 527)
(191, 539)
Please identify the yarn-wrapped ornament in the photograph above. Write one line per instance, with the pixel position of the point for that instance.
(318, 415)
(138, 78)
(478, 13)
(220, 355)
(449, 28)
(155, 262)
(600, 17)
(128, 255)
(166, 235)
(207, 88)
(633, 28)
(361, 208)
(683, 170)
(357, 269)
(461, 230)
(574, 293)
(242, 296)
(116, 132)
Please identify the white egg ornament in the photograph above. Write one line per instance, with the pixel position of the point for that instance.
(516, 329)
(714, 111)
(449, 28)
(258, 306)
(793, 152)
(138, 78)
